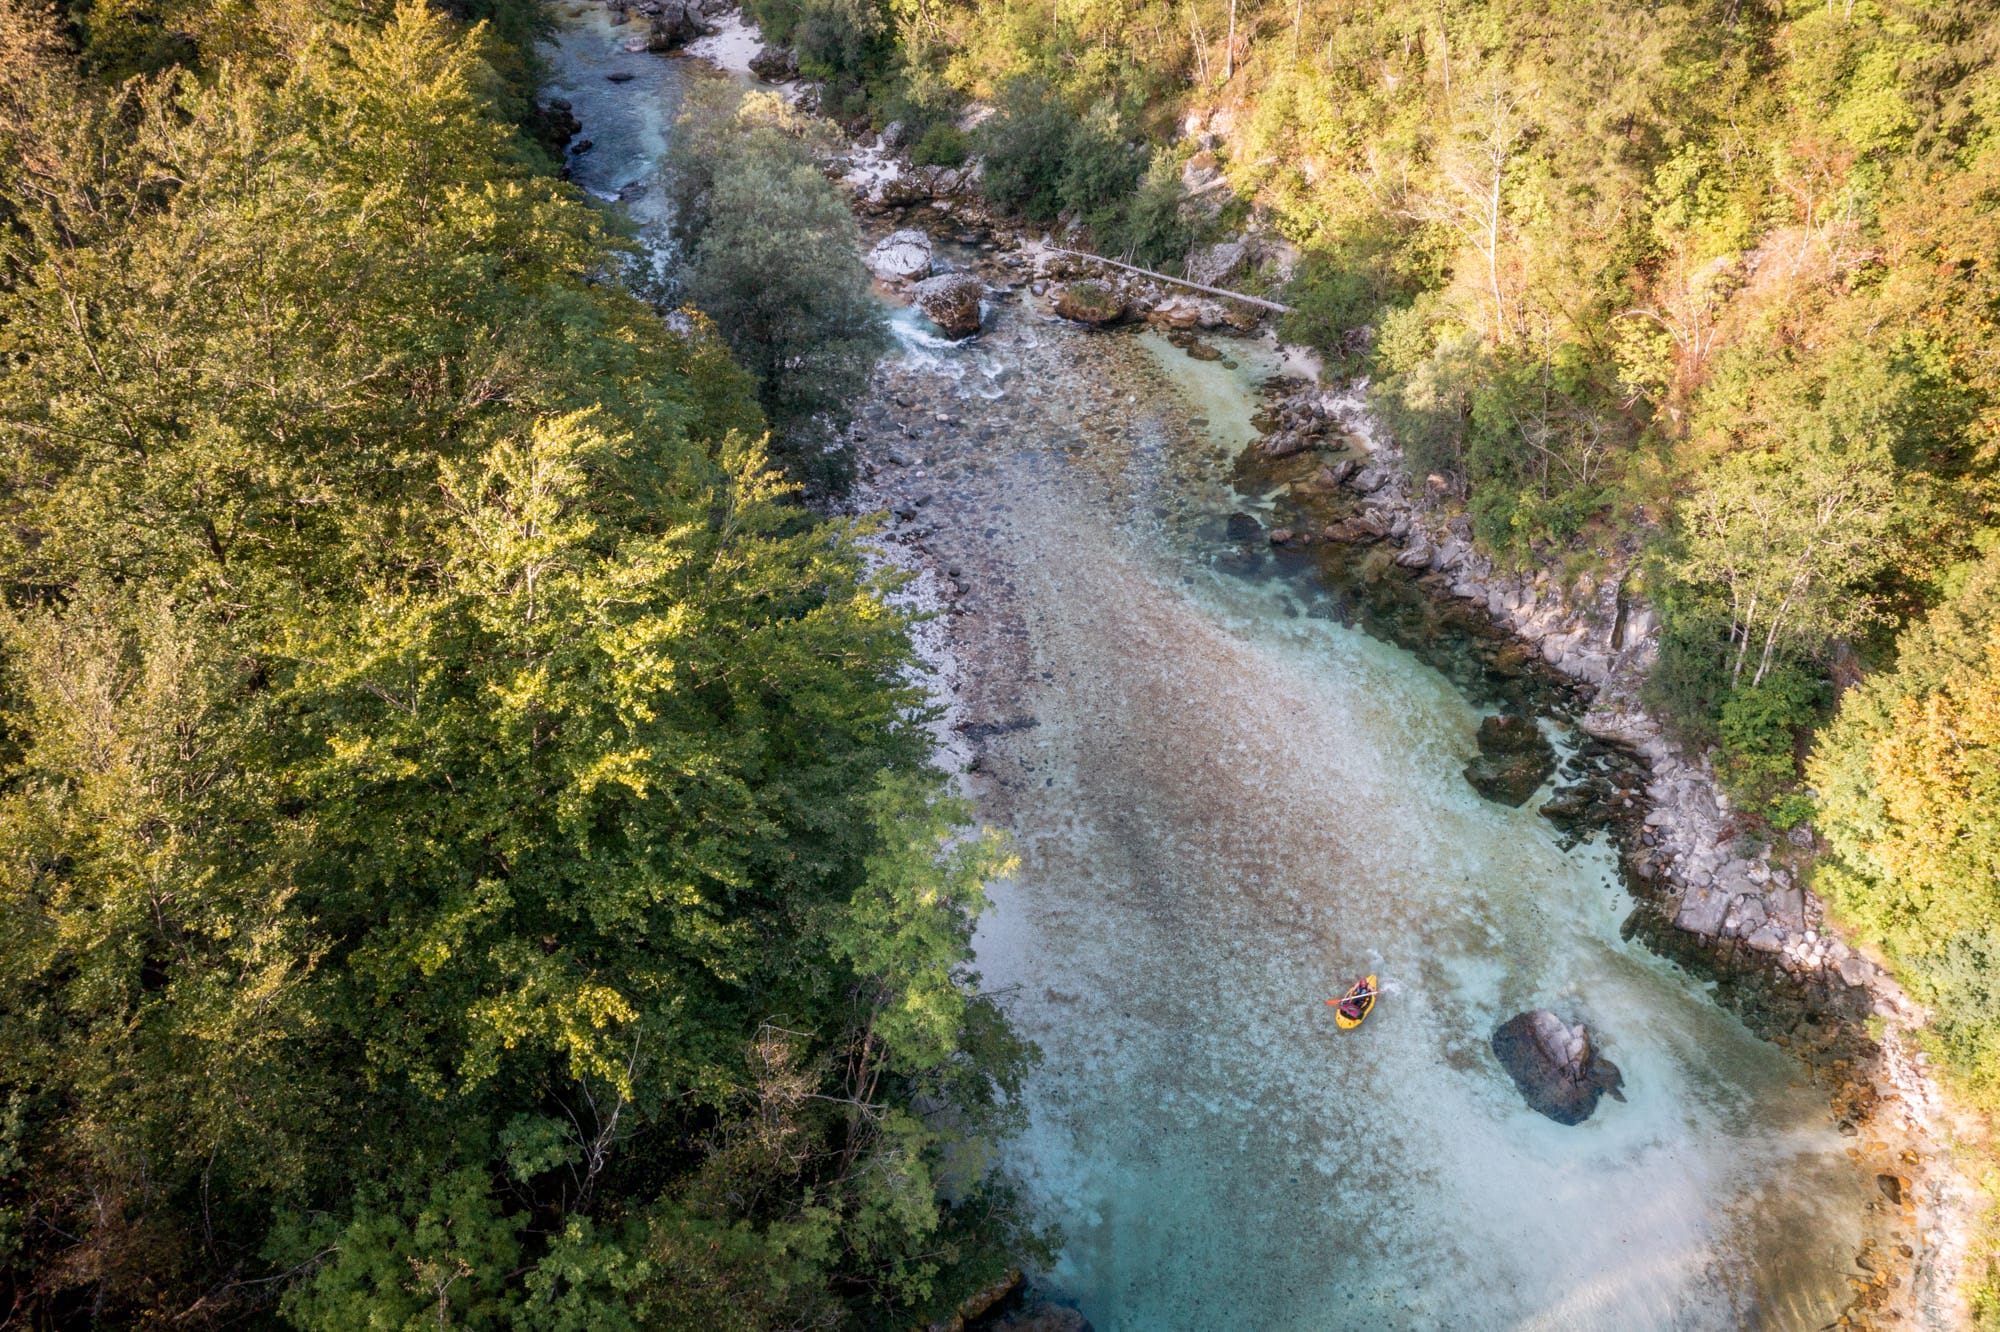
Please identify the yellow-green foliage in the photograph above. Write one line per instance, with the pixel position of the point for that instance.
(1583, 233)
(1908, 777)
(465, 855)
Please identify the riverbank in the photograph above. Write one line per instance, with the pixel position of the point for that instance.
(1683, 852)
(1710, 893)
(1707, 894)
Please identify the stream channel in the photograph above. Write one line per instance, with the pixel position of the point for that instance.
(1229, 801)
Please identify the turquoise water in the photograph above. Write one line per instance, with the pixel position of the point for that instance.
(1228, 806)
(628, 123)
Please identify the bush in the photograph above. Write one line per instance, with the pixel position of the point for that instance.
(771, 254)
(1760, 726)
(1691, 674)
(942, 145)
(1961, 982)
(1100, 170)
(1329, 301)
(776, 19)
(1025, 144)
(843, 41)
(1336, 292)
(1152, 231)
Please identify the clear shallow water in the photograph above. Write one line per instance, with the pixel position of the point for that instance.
(1228, 806)
(630, 123)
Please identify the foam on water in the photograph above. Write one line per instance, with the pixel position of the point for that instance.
(920, 344)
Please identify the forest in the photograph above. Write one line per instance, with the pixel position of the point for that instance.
(468, 852)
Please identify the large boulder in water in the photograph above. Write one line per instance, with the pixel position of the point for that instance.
(951, 301)
(901, 256)
(1554, 1065)
(1091, 303)
(1515, 758)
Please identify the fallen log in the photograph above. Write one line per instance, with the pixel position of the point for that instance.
(1179, 282)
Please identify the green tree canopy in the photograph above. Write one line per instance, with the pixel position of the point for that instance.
(462, 824)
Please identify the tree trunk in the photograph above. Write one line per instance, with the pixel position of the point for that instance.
(1744, 629)
(1179, 282)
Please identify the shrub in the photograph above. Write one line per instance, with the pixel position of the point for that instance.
(1152, 231)
(1760, 726)
(843, 40)
(1328, 300)
(1100, 170)
(942, 145)
(1337, 291)
(1692, 673)
(1025, 144)
(770, 253)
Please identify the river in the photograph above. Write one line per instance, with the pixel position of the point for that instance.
(1228, 803)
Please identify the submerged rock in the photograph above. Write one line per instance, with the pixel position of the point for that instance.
(1242, 527)
(1088, 302)
(980, 1303)
(901, 256)
(1515, 758)
(1554, 1066)
(1043, 1317)
(951, 301)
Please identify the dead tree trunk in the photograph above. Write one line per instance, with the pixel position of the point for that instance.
(1179, 282)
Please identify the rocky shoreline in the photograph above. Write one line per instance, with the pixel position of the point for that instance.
(1709, 892)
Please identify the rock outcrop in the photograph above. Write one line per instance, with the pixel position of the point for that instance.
(951, 301)
(1514, 759)
(1044, 1317)
(1589, 629)
(674, 23)
(1087, 302)
(901, 256)
(775, 64)
(1218, 264)
(1553, 1064)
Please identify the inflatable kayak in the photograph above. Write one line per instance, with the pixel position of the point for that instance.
(1353, 1008)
